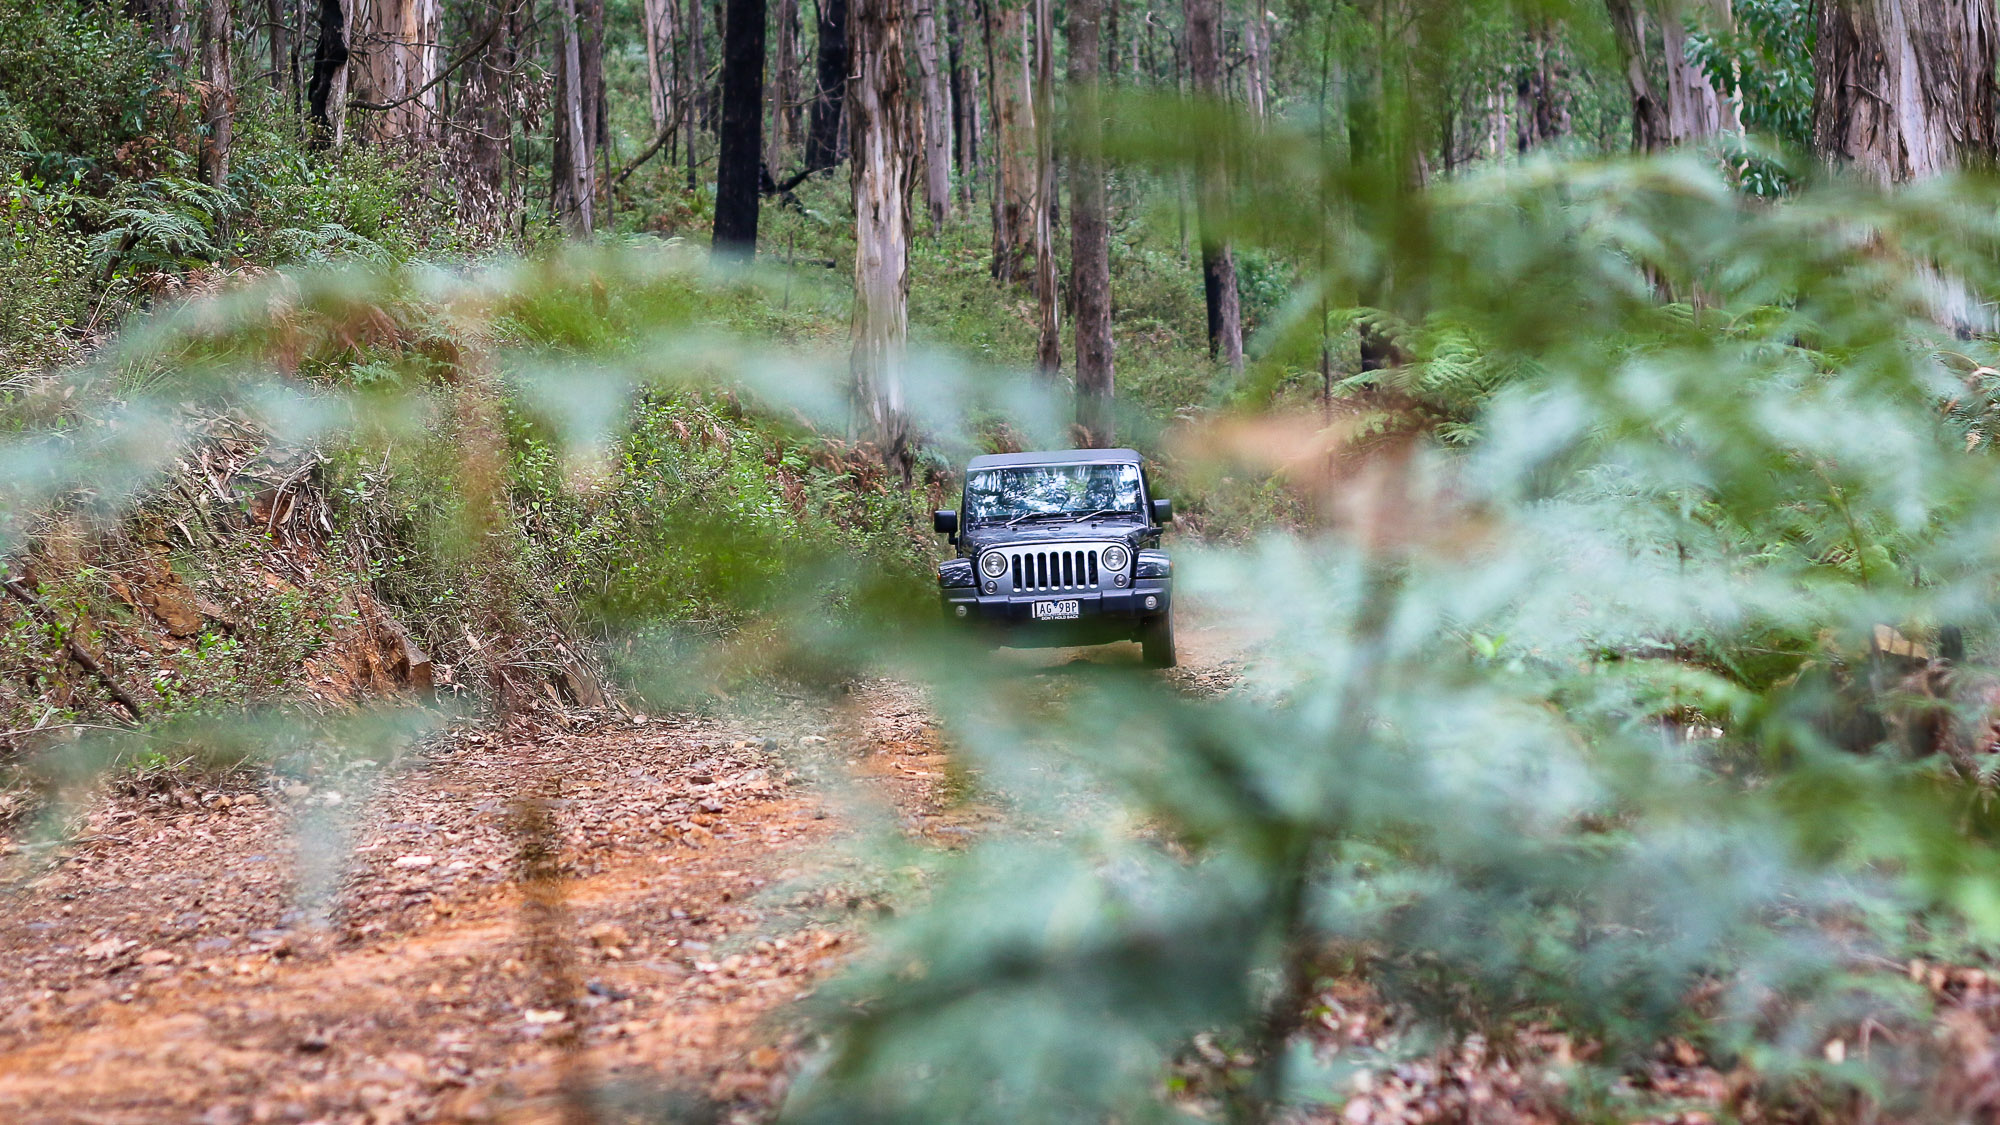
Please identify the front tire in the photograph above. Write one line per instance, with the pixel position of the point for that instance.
(1156, 643)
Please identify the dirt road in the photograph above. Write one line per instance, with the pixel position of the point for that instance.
(683, 886)
(172, 965)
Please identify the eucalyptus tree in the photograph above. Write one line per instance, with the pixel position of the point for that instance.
(1904, 89)
(882, 125)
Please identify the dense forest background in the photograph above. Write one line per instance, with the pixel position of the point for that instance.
(1582, 418)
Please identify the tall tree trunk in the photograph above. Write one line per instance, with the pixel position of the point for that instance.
(1108, 65)
(1904, 89)
(1218, 262)
(1256, 50)
(936, 118)
(1541, 90)
(1090, 234)
(327, 99)
(1649, 110)
(689, 82)
(882, 129)
(1048, 298)
(964, 109)
(740, 152)
(301, 10)
(1695, 109)
(396, 57)
(1010, 66)
(279, 36)
(218, 93)
(572, 193)
(590, 56)
(784, 85)
(829, 101)
(656, 32)
(699, 110)
(712, 92)
(971, 124)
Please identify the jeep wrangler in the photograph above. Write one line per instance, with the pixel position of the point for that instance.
(1061, 548)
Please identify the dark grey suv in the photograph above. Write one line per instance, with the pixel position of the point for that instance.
(1061, 548)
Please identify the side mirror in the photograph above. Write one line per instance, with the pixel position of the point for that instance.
(946, 522)
(1163, 511)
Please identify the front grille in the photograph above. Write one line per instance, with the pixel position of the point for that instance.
(1067, 568)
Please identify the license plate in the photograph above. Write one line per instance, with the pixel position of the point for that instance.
(1057, 611)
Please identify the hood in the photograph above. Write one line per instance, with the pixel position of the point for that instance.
(1128, 530)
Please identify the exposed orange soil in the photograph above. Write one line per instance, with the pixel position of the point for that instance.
(168, 967)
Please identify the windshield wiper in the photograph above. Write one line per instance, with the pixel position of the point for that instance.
(1079, 517)
(1036, 516)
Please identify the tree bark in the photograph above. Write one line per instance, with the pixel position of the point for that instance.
(1218, 262)
(784, 85)
(218, 93)
(1541, 91)
(1904, 89)
(971, 127)
(882, 129)
(740, 151)
(829, 102)
(1009, 65)
(590, 56)
(697, 79)
(690, 78)
(396, 57)
(1256, 51)
(279, 39)
(1048, 351)
(572, 194)
(964, 105)
(1090, 234)
(936, 116)
(657, 26)
(1695, 109)
(1649, 110)
(327, 99)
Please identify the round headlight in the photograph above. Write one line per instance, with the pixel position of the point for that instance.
(1115, 557)
(994, 564)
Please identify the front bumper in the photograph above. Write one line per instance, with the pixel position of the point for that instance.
(1117, 613)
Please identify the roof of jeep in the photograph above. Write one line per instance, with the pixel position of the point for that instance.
(1054, 457)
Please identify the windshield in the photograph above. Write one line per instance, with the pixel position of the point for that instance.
(1052, 490)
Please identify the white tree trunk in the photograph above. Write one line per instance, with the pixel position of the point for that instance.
(1256, 60)
(574, 197)
(1904, 89)
(937, 117)
(397, 55)
(659, 35)
(881, 133)
(1695, 109)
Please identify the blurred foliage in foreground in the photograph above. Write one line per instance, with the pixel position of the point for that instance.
(1563, 707)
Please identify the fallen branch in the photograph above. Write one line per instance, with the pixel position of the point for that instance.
(76, 651)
